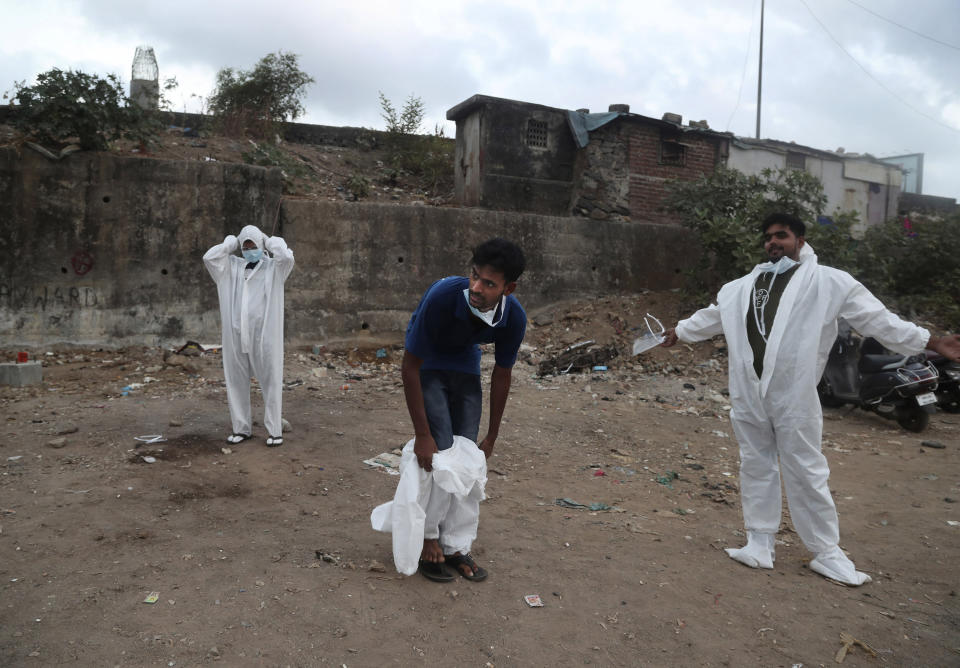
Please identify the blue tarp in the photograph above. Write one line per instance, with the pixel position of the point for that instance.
(582, 124)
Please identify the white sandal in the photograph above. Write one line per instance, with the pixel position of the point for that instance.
(233, 439)
(274, 441)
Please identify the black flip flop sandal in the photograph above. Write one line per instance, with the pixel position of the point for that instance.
(233, 439)
(274, 441)
(436, 571)
(455, 560)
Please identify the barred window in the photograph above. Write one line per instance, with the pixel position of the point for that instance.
(537, 133)
(796, 160)
(672, 153)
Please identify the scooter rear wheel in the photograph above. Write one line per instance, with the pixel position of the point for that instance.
(913, 419)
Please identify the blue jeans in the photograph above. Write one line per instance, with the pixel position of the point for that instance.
(453, 401)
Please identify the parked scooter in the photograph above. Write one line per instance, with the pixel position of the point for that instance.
(893, 386)
(948, 385)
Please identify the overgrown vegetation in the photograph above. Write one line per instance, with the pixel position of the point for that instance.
(724, 209)
(429, 157)
(267, 155)
(66, 105)
(252, 101)
(913, 269)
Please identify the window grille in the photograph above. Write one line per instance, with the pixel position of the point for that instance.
(672, 153)
(537, 133)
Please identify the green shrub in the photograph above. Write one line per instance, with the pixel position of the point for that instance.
(724, 209)
(915, 269)
(250, 102)
(71, 105)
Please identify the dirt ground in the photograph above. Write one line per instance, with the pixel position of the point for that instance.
(265, 557)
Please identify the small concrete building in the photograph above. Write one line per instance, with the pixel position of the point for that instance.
(851, 181)
(519, 156)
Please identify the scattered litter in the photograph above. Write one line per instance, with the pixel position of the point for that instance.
(598, 473)
(533, 600)
(720, 434)
(667, 478)
(579, 356)
(953, 523)
(933, 444)
(152, 597)
(226, 451)
(848, 643)
(190, 348)
(150, 438)
(381, 353)
(387, 461)
(14, 458)
(329, 558)
(600, 367)
(570, 503)
(149, 460)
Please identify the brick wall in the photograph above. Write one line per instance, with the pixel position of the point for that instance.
(648, 174)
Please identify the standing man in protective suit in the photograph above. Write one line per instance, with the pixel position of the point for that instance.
(780, 321)
(251, 317)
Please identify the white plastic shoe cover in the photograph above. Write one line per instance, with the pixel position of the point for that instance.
(757, 553)
(834, 564)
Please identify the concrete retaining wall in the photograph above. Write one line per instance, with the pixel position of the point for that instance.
(105, 250)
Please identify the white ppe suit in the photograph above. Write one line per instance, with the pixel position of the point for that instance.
(448, 497)
(251, 318)
(778, 415)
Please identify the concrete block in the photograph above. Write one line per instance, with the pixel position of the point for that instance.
(21, 375)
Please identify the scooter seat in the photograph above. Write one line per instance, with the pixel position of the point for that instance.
(875, 363)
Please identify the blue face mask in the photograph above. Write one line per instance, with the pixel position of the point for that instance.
(253, 254)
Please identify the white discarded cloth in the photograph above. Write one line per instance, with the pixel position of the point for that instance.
(448, 499)
(251, 319)
(777, 417)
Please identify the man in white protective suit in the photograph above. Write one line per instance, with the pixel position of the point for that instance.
(435, 512)
(780, 321)
(250, 289)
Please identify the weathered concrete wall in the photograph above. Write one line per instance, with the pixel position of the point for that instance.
(106, 250)
(361, 268)
(513, 156)
(99, 249)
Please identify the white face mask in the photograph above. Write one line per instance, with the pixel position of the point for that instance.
(486, 316)
(785, 264)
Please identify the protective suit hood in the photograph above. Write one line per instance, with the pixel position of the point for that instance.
(253, 233)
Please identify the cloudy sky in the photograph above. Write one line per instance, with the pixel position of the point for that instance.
(835, 72)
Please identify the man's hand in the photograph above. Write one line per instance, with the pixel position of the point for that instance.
(669, 337)
(424, 447)
(487, 445)
(948, 346)
(231, 242)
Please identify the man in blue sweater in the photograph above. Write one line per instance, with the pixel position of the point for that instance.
(441, 383)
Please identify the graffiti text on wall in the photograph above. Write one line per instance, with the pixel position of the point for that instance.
(41, 298)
